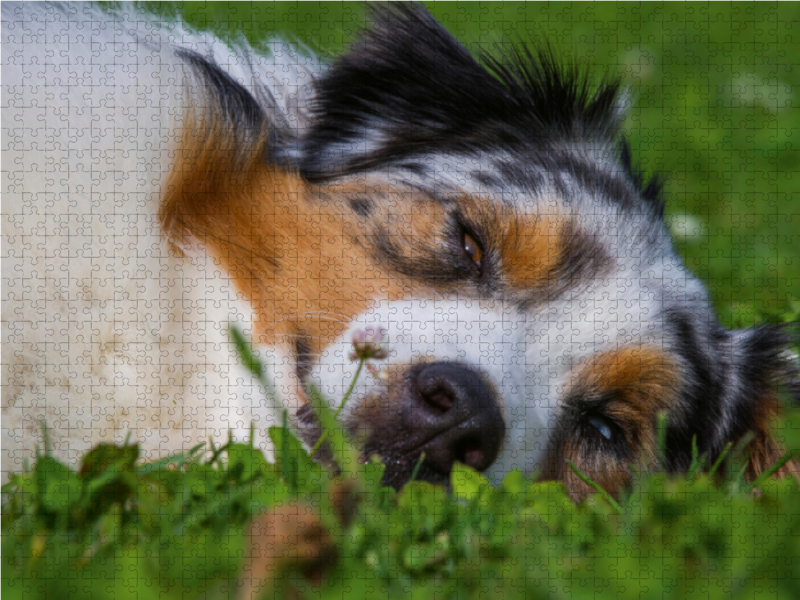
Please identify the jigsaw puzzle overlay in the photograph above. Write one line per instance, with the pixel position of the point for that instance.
(467, 270)
(108, 330)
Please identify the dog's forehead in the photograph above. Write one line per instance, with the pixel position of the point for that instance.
(588, 177)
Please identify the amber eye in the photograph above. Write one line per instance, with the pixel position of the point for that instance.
(472, 248)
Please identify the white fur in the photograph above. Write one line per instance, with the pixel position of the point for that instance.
(105, 330)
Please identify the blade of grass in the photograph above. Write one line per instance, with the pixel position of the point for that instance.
(289, 470)
(417, 466)
(661, 433)
(346, 397)
(697, 461)
(179, 460)
(254, 365)
(720, 458)
(45, 439)
(740, 460)
(344, 453)
(770, 471)
(587, 480)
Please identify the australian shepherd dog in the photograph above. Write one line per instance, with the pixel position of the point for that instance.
(479, 219)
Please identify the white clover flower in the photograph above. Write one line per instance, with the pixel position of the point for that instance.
(371, 342)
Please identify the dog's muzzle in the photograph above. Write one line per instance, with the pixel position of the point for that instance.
(441, 409)
(445, 411)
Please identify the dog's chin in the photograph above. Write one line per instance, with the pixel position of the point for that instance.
(400, 466)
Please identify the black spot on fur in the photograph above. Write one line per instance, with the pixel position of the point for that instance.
(487, 179)
(584, 258)
(528, 179)
(651, 190)
(361, 206)
(703, 392)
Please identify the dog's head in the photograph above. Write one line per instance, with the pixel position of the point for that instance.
(487, 221)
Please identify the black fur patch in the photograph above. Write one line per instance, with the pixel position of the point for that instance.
(514, 174)
(237, 105)
(486, 179)
(305, 360)
(703, 392)
(408, 87)
(652, 189)
(584, 257)
(763, 365)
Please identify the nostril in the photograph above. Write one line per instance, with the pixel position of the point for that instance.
(439, 398)
(470, 452)
(442, 385)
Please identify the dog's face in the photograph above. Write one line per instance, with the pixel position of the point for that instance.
(488, 223)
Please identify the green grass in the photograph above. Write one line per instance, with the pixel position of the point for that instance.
(715, 109)
(119, 528)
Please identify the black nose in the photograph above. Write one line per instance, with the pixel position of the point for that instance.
(453, 408)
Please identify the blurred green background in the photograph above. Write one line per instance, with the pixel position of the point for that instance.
(715, 109)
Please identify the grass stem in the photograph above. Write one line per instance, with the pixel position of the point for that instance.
(770, 471)
(347, 395)
(585, 479)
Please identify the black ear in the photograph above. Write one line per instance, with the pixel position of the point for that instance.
(409, 88)
(402, 84)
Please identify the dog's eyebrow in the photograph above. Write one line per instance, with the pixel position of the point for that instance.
(574, 258)
(640, 377)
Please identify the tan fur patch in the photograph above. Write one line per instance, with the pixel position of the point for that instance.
(292, 251)
(532, 249)
(287, 536)
(646, 377)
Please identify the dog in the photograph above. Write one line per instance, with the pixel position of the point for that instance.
(478, 221)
